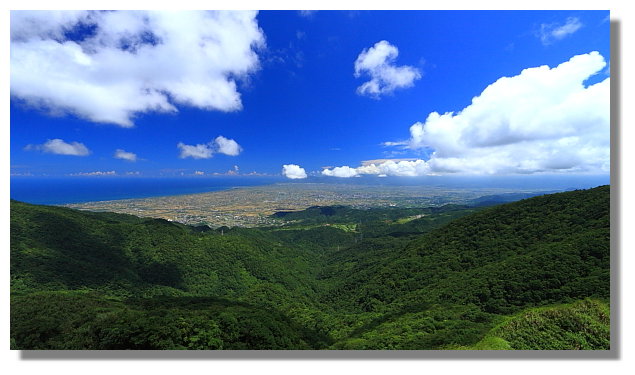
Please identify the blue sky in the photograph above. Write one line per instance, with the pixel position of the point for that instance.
(327, 93)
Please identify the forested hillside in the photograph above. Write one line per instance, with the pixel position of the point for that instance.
(532, 274)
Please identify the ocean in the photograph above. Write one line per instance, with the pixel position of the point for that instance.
(63, 190)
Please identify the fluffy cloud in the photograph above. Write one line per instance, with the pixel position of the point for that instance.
(344, 171)
(59, 147)
(542, 120)
(382, 168)
(121, 63)
(227, 146)
(121, 154)
(219, 145)
(378, 62)
(293, 171)
(551, 32)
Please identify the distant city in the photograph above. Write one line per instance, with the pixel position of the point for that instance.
(253, 206)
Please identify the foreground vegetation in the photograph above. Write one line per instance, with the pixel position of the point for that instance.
(532, 274)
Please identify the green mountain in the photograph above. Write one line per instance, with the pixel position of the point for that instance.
(451, 277)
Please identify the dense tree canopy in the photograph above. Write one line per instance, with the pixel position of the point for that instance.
(449, 277)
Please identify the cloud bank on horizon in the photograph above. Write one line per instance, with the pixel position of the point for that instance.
(542, 120)
(121, 63)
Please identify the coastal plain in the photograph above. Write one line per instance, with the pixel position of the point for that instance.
(253, 206)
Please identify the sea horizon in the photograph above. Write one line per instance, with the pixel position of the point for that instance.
(69, 190)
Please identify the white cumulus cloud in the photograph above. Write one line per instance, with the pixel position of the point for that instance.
(128, 62)
(125, 155)
(219, 145)
(550, 32)
(382, 168)
(293, 171)
(227, 146)
(378, 62)
(541, 120)
(344, 171)
(60, 147)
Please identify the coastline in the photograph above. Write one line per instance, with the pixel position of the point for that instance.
(73, 190)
